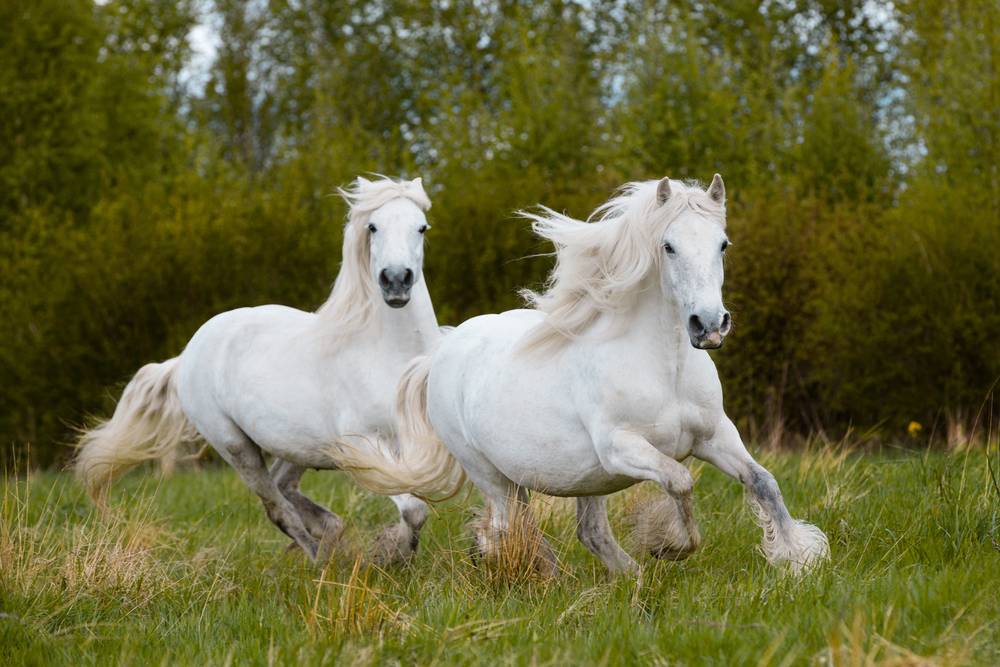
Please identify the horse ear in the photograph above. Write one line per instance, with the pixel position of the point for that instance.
(663, 191)
(717, 190)
(417, 186)
(363, 183)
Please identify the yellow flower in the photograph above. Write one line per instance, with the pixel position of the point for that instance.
(914, 429)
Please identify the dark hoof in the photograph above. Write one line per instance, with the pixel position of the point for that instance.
(666, 553)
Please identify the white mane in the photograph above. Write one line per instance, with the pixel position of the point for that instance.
(601, 263)
(354, 296)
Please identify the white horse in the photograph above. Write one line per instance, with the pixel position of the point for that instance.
(605, 383)
(279, 381)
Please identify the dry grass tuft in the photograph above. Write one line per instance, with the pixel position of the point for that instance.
(861, 645)
(356, 607)
(116, 560)
(109, 556)
(518, 556)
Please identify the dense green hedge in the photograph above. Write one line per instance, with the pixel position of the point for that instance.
(859, 150)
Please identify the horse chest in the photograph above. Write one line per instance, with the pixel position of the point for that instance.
(364, 397)
(670, 420)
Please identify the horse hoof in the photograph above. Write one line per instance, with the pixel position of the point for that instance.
(546, 568)
(667, 553)
(324, 550)
(397, 544)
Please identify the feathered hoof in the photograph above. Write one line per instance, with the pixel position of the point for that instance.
(796, 546)
(328, 543)
(485, 541)
(397, 544)
(518, 548)
(516, 542)
(805, 547)
(665, 528)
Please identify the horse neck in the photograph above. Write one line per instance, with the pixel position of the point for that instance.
(413, 328)
(654, 325)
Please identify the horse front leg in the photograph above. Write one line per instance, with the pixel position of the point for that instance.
(629, 454)
(786, 540)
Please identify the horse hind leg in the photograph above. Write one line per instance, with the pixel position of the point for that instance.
(594, 531)
(399, 541)
(322, 524)
(507, 532)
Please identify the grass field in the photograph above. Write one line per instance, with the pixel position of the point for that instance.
(190, 572)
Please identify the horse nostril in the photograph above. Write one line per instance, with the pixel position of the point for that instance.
(727, 323)
(695, 325)
(384, 280)
(407, 278)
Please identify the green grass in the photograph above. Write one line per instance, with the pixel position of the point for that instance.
(190, 572)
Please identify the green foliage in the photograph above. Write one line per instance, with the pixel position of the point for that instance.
(859, 147)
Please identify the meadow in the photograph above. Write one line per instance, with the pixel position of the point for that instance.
(187, 570)
(162, 162)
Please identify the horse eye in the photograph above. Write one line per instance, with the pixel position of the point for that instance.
(669, 248)
(423, 228)
(372, 228)
(725, 244)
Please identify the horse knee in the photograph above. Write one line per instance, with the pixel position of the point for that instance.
(287, 481)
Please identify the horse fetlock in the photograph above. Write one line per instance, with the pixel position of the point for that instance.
(678, 546)
(326, 546)
(415, 516)
(334, 527)
(487, 541)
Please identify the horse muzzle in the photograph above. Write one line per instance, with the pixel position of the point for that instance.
(709, 337)
(395, 284)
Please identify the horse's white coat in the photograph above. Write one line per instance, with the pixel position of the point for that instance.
(288, 383)
(603, 385)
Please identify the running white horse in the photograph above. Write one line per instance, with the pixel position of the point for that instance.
(279, 381)
(605, 383)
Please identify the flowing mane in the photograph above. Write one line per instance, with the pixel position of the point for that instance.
(352, 301)
(601, 263)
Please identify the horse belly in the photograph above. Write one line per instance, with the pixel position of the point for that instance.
(568, 481)
(521, 420)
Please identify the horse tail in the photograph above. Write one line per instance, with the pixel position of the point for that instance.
(148, 424)
(422, 466)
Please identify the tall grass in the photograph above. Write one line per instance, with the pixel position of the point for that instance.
(189, 571)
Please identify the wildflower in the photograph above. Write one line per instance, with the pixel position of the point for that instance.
(914, 428)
